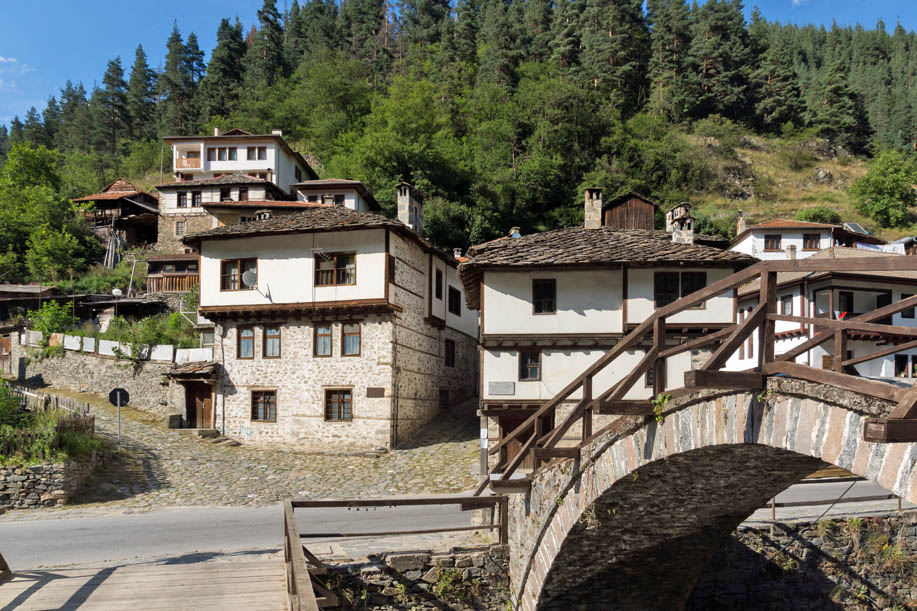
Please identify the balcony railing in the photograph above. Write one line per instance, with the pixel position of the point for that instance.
(187, 163)
(170, 283)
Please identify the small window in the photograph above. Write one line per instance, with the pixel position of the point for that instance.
(339, 405)
(844, 304)
(772, 241)
(207, 338)
(901, 366)
(339, 200)
(450, 353)
(222, 151)
(335, 269)
(243, 194)
(264, 405)
(225, 194)
(312, 199)
(245, 345)
(649, 378)
(322, 340)
(786, 305)
(298, 174)
(908, 313)
(529, 365)
(692, 281)
(439, 284)
(195, 199)
(544, 296)
(750, 342)
(211, 154)
(247, 219)
(262, 153)
(811, 241)
(251, 153)
(179, 228)
(231, 272)
(232, 154)
(350, 339)
(182, 199)
(455, 301)
(665, 288)
(271, 343)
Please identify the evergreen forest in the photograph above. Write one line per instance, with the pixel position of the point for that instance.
(500, 111)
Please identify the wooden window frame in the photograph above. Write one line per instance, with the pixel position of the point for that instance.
(848, 311)
(438, 288)
(243, 194)
(458, 301)
(183, 226)
(741, 317)
(211, 153)
(227, 191)
(258, 391)
(552, 282)
(679, 291)
(181, 199)
(262, 150)
(222, 153)
(335, 256)
(784, 299)
(449, 352)
(909, 313)
(522, 365)
(332, 390)
(239, 266)
(329, 335)
(344, 335)
(657, 293)
(196, 199)
(807, 240)
(239, 330)
(771, 237)
(251, 153)
(265, 337)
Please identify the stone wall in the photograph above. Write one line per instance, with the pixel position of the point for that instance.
(469, 579)
(24, 487)
(852, 564)
(196, 220)
(89, 372)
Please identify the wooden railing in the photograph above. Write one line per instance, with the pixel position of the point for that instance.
(650, 337)
(170, 283)
(187, 163)
(304, 570)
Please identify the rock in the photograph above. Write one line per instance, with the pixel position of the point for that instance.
(407, 562)
(824, 176)
(412, 575)
(431, 576)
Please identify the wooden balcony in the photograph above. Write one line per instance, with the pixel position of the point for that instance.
(187, 163)
(170, 283)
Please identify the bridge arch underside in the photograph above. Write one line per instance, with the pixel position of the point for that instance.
(633, 524)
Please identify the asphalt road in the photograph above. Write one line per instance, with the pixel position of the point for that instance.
(195, 534)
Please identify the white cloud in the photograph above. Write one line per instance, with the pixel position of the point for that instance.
(799, 2)
(7, 60)
(7, 85)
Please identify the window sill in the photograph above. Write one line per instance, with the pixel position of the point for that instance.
(264, 421)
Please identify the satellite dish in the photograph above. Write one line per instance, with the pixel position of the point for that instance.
(249, 278)
(116, 292)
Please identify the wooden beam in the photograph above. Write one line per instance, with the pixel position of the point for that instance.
(699, 342)
(840, 349)
(888, 430)
(865, 264)
(640, 407)
(881, 390)
(555, 435)
(399, 501)
(517, 460)
(766, 338)
(701, 378)
(848, 325)
(659, 363)
(880, 353)
(620, 389)
(739, 334)
(548, 453)
(587, 409)
(907, 406)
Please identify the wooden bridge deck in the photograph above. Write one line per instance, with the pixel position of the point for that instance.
(252, 585)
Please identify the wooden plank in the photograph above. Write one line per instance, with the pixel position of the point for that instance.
(840, 349)
(738, 335)
(587, 409)
(767, 340)
(625, 407)
(700, 378)
(887, 430)
(881, 390)
(865, 264)
(699, 342)
(393, 533)
(850, 325)
(302, 596)
(399, 501)
(620, 389)
(880, 353)
(907, 406)
(519, 458)
(555, 435)
(556, 452)
(658, 363)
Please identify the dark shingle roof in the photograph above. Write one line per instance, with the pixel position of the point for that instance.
(225, 179)
(578, 246)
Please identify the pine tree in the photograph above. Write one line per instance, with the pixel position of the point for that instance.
(537, 23)
(778, 97)
(141, 104)
(497, 58)
(565, 35)
(670, 39)
(265, 63)
(467, 26)
(50, 120)
(360, 21)
(421, 21)
(220, 87)
(320, 26)
(32, 129)
(4, 144)
(195, 58)
(839, 115)
(110, 109)
(176, 88)
(17, 131)
(75, 125)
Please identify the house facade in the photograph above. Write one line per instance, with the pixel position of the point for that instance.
(790, 239)
(335, 329)
(552, 303)
(122, 216)
(836, 295)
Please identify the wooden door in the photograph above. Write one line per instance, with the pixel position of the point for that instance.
(510, 422)
(198, 405)
(6, 357)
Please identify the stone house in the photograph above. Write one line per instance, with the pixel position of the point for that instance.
(336, 329)
(552, 303)
(791, 239)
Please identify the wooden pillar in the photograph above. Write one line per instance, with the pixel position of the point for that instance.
(659, 365)
(840, 349)
(587, 404)
(539, 432)
(766, 335)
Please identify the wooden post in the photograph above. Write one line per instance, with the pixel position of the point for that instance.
(539, 431)
(659, 365)
(840, 350)
(504, 521)
(587, 404)
(766, 335)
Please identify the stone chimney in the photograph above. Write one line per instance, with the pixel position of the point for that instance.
(217, 131)
(514, 232)
(791, 252)
(263, 215)
(457, 253)
(410, 207)
(593, 208)
(680, 223)
(740, 222)
(277, 132)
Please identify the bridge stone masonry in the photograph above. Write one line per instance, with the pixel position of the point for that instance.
(634, 519)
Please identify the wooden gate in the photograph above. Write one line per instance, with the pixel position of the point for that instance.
(198, 405)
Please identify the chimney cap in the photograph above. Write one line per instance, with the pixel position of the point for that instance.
(277, 132)
(457, 253)
(514, 232)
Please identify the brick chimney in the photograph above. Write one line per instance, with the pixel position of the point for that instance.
(593, 208)
(740, 222)
(410, 207)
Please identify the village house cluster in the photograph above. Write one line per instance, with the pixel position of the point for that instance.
(334, 327)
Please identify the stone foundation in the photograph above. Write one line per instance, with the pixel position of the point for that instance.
(836, 564)
(470, 579)
(34, 486)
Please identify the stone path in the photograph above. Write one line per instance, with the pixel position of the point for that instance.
(162, 468)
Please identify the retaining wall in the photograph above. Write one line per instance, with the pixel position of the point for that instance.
(24, 487)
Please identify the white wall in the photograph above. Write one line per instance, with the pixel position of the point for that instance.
(286, 267)
(467, 321)
(587, 302)
(753, 244)
(641, 294)
(278, 162)
(352, 199)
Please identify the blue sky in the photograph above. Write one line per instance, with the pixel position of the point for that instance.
(45, 42)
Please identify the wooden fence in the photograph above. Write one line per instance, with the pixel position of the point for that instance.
(73, 418)
(27, 441)
(650, 336)
(36, 401)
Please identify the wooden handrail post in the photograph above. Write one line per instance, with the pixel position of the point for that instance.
(840, 349)
(766, 335)
(659, 365)
(587, 402)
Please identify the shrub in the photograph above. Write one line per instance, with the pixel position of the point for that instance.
(51, 317)
(75, 445)
(885, 192)
(796, 158)
(728, 135)
(819, 214)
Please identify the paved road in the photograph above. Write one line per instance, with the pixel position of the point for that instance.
(197, 534)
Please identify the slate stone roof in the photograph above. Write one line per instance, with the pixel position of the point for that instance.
(225, 179)
(116, 190)
(580, 247)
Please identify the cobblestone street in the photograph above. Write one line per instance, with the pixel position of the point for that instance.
(160, 468)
